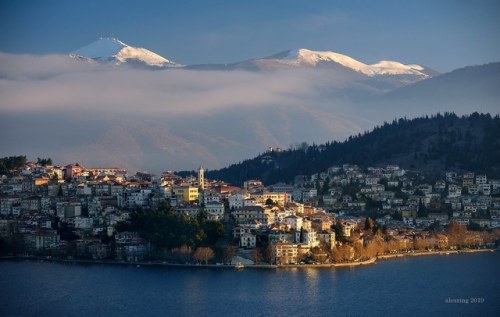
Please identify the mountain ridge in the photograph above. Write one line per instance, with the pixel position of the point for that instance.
(179, 119)
(107, 49)
(431, 144)
(111, 49)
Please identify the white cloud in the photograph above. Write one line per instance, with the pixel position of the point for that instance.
(58, 82)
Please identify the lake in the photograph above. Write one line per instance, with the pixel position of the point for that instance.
(447, 285)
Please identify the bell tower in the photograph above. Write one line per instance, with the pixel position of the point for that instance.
(201, 178)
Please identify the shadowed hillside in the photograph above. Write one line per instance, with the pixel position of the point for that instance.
(431, 144)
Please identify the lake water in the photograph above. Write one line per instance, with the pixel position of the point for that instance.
(465, 285)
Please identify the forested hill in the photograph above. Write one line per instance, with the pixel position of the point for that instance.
(431, 144)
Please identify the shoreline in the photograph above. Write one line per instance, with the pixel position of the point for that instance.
(370, 261)
(428, 253)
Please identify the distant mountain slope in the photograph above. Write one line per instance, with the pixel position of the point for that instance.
(458, 82)
(435, 144)
(386, 74)
(460, 89)
(305, 57)
(109, 49)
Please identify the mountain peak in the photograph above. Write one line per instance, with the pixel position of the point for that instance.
(104, 47)
(111, 49)
(306, 57)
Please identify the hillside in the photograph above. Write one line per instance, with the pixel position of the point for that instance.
(431, 144)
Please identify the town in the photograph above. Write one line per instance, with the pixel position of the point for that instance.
(345, 214)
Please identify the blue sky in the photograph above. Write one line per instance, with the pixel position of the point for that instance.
(443, 35)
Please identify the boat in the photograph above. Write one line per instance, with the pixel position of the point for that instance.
(239, 266)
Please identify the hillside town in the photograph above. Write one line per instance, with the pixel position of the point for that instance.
(343, 214)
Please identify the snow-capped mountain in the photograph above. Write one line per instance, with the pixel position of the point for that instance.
(305, 57)
(323, 59)
(383, 75)
(109, 49)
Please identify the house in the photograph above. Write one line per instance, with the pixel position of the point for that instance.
(481, 179)
(98, 250)
(485, 223)
(275, 236)
(132, 252)
(127, 237)
(215, 208)
(484, 189)
(468, 179)
(248, 241)
(253, 185)
(440, 186)
(185, 193)
(251, 213)
(209, 197)
(297, 207)
(293, 222)
(371, 180)
(30, 204)
(284, 253)
(241, 230)
(236, 200)
(409, 213)
(473, 189)
(279, 198)
(45, 239)
(327, 237)
(84, 222)
(440, 217)
(281, 188)
(73, 170)
(495, 222)
(307, 237)
(424, 222)
(213, 216)
(321, 224)
(187, 209)
(308, 194)
(461, 220)
(451, 177)
(347, 228)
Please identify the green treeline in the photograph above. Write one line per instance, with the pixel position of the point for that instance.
(165, 230)
(430, 144)
(11, 163)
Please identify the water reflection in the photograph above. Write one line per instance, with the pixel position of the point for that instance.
(396, 288)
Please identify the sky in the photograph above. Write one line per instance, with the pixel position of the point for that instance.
(443, 35)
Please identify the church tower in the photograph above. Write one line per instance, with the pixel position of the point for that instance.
(201, 178)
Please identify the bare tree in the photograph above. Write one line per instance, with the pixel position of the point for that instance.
(229, 253)
(342, 253)
(269, 253)
(256, 256)
(456, 234)
(203, 254)
(185, 252)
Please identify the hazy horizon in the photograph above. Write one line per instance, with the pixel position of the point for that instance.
(54, 106)
(424, 32)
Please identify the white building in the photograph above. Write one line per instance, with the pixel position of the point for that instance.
(248, 240)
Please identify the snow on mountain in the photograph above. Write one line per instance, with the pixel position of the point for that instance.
(305, 57)
(109, 49)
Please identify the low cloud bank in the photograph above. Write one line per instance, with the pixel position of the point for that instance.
(55, 82)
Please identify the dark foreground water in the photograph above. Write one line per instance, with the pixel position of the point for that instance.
(453, 285)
